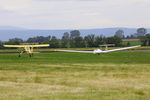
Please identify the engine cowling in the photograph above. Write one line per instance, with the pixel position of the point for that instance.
(97, 51)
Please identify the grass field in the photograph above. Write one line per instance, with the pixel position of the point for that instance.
(132, 42)
(75, 76)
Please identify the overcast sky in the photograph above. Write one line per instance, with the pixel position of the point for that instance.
(75, 14)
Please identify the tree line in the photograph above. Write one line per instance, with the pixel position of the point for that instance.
(73, 39)
(141, 34)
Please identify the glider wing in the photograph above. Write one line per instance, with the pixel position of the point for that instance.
(75, 51)
(121, 49)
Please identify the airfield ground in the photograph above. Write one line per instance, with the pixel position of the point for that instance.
(75, 76)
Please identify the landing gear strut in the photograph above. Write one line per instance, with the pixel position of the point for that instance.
(22, 51)
(19, 55)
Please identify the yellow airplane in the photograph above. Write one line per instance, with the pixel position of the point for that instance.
(27, 48)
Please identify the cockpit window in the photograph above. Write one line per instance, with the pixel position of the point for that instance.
(28, 48)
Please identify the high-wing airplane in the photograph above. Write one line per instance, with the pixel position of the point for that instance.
(27, 48)
(98, 51)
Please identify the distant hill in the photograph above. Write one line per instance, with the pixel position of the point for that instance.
(7, 32)
(11, 28)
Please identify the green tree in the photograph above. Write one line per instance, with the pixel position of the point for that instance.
(148, 38)
(128, 44)
(65, 43)
(78, 42)
(141, 32)
(74, 34)
(54, 43)
(143, 39)
(1, 45)
(114, 40)
(38, 39)
(90, 40)
(99, 40)
(65, 40)
(119, 33)
(15, 41)
(65, 36)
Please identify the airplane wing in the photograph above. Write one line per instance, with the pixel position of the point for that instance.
(121, 49)
(16, 46)
(75, 51)
(40, 45)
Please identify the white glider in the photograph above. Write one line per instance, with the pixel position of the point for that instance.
(98, 51)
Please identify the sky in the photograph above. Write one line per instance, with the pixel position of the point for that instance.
(75, 14)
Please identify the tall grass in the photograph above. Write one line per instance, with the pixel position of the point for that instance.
(73, 76)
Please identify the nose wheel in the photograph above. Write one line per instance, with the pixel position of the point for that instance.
(19, 55)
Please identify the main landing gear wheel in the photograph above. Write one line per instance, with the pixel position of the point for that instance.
(19, 55)
(30, 55)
